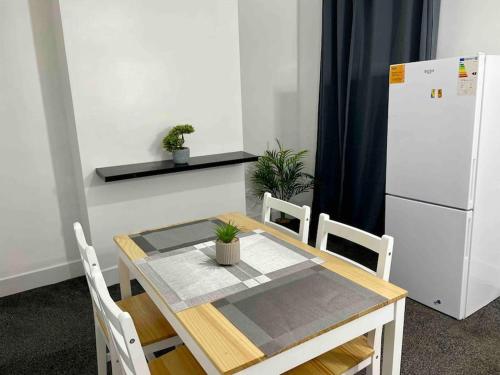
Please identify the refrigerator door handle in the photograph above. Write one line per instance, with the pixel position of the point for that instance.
(472, 187)
(468, 243)
(465, 272)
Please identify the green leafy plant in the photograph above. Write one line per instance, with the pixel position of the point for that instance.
(226, 232)
(174, 140)
(281, 172)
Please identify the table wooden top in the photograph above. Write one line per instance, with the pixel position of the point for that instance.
(228, 348)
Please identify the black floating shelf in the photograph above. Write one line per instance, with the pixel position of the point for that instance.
(126, 172)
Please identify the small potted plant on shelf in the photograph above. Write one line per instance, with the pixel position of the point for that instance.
(227, 245)
(281, 172)
(174, 143)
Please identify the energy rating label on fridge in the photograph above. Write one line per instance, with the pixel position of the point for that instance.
(467, 76)
(397, 74)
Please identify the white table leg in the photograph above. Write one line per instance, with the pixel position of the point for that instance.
(124, 276)
(393, 340)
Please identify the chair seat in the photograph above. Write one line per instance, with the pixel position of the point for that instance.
(149, 322)
(177, 362)
(338, 360)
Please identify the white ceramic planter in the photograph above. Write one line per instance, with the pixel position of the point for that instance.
(227, 253)
(181, 156)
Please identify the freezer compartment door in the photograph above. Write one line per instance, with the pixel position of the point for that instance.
(430, 252)
(431, 135)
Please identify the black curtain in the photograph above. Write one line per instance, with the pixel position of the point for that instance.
(360, 39)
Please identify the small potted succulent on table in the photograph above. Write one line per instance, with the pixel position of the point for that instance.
(227, 245)
(174, 143)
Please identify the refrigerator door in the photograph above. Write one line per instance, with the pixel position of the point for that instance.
(430, 258)
(431, 135)
(484, 268)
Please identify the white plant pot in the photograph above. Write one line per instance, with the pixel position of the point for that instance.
(227, 253)
(181, 156)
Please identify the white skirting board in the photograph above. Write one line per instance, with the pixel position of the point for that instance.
(50, 275)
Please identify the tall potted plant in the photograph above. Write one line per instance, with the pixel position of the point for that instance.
(281, 172)
(174, 143)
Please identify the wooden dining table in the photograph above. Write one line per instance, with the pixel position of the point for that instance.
(223, 346)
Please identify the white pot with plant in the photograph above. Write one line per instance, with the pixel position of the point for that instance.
(227, 245)
(174, 143)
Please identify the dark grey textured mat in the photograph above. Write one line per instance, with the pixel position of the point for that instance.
(50, 330)
(171, 238)
(276, 315)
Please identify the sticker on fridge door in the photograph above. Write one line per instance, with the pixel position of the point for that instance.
(467, 76)
(397, 74)
(436, 93)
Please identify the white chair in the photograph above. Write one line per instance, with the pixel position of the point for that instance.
(126, 352)
(362, 352)
(302, 213)
(155, 332)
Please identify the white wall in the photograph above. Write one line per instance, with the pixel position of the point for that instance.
(309, 57)
(280, 46)
(135, 71)
(39, 200)
(467, 27)
(269, 73)
(269, 79)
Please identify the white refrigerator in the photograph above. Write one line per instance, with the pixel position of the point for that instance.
(443, 181)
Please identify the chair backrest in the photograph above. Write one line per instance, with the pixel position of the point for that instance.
(126, 346)
(82, 246)
(302, 213)
(381, 245)
(80, 238)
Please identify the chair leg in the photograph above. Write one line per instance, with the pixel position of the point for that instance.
(374, 367)
(115, 363)
(115, 366)
(374, 339)
(100, 345)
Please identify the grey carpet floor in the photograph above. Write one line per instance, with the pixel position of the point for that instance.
(50, 330)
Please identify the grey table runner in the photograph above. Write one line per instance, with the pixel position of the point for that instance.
(189, 275)
(171, 238)
(276, 315)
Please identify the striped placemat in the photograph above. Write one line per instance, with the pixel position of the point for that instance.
(296, 307)
(174, 237)
(189, 275)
